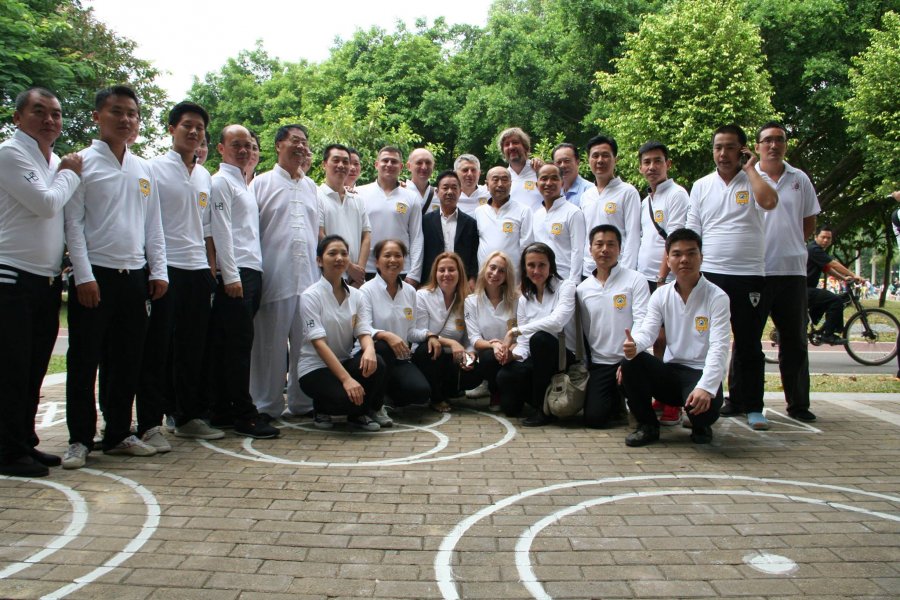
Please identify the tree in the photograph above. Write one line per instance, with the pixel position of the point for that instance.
(687, 70)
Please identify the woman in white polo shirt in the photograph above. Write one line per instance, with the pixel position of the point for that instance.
(546, 307)
(339, 382)
(490, 313)
(443, 358)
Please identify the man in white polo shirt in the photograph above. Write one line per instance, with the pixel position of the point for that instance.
(502, 224)
(472, 195)
(342, 212)
(787, 229)
(696, 316)
(421, 167)
(727, 210)
(559, 224)
(394, 212)
(514, 144)
(35, 185)
(113, 229)
(565, 156)
(289, 233)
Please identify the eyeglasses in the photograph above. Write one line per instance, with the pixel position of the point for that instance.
(773, 141)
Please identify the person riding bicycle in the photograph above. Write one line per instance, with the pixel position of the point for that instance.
(821, 301)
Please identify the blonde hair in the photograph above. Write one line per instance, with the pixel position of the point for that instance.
(508, 294)
(462, 283)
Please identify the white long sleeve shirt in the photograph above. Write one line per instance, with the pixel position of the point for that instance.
(396, 315)
(785, 243)
(32, 196)
(618, 204)
(468, 203)
(553, 314)
(288, 233)
(113, 218)
(433, 315)
(698, 332)
(523, 188)
(485, 321)
(509, 229)
(608, 309)
(234, 224)
(184, 206)
(669, 206)
(395, 215)
(347, 218)
(562, 228)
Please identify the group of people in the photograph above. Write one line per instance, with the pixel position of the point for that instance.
(200, 297)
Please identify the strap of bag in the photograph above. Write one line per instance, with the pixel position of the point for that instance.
(427, 202)
(659, 229)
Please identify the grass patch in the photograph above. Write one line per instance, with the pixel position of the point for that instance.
(57, 364)
(64, 312)
(851, 384)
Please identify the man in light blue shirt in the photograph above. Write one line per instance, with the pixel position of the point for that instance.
(565, 156)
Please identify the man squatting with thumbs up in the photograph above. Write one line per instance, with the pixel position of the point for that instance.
(697, 319)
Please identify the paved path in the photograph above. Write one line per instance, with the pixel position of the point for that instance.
(472, 506)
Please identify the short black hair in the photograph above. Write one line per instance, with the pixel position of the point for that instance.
(255, 138)
(684, 235)
(353, 151)
(602, 139)
(604, 228)
(529, 290)
(825, 227)
(285, 130)
(326, 154)
(732, 129)
(770, 125)
(444, 175)
(568, 145)
(326, 241)
(653, 145)
(379, 247)
(24, 97)
(115, 90)
(182, 108)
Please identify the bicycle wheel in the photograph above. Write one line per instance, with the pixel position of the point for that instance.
(872, 336)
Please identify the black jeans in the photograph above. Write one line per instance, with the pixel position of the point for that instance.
(29, 320)
(113, 331)
(785, 300)
(527, 381)
(444, 376)
(404, 382)
(603, 400)
(330, 397)
(821, 301)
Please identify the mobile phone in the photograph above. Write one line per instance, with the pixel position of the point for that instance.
(745, 156)
(470, 360)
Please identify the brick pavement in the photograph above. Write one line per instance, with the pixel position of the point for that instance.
(471, 507)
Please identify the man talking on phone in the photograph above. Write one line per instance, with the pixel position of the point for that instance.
(727, 209)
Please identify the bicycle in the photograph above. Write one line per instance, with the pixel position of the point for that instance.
(871, 333)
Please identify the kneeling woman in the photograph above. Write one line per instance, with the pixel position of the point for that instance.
(439, 310)
(546, 307)
(338, 382)
(389, 304)
(490, 314)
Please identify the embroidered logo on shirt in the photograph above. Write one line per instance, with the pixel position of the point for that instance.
(556, 228)
(408, 313)
(401, 208)
(482, 201)
(508, 226)
(796, 185)
(460, 324)
(620, 301)
(658, 216)
(145, 187)
(742, 197)
(701, 324)
(310, 323)
(31, 177)
(204, 199)
(610, 208)
(529, 185)
(219, 206)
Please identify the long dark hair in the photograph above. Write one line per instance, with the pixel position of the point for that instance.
(529, 290)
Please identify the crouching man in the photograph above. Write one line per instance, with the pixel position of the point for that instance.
(697, 319)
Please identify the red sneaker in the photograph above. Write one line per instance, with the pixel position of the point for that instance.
(657, 406)
(671, 415)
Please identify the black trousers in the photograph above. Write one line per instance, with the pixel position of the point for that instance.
(113, 331)
(227, 359)
(785, 300)
(603, 400)
(646, 377)
(443, 375)
(488, 367)
(29, 320)
(821, 301)
(527, 381)
(404, 382)
(747, 373)
(172, 370)
(329, 396)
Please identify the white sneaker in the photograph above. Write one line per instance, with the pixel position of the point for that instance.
(381, 417)
(131, 446)
(170, 423)
(156, 438)
(198, 430)
(75, 456)
(480, 392)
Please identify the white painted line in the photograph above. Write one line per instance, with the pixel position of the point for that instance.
(869, 411)
(49, 414)
(55, 379)
(444, 572)
(76, 525)
(151, 523)
(395, 428)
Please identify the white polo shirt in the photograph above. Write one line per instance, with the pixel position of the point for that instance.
(618, 204)
(468, 203)
(288, 233)
(562, 228)
(396, 315)
(339, 324)
(669, 206)
(698, 332)
(509, 229)
(730, 222)
(32, 197)
(555, 313)
(113, 217)
(347, 218)
(184, 206)
(433, 316)
(608, 309)
(395, 215)
(234, 224)
(524, 187)
(785, 244)
(486, 322)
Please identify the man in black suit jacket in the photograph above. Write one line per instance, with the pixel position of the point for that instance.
(458, 225)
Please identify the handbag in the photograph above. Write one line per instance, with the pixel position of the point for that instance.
(565, 394)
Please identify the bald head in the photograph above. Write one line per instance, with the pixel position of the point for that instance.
(421, 167)
(498, 183)
(235, 146)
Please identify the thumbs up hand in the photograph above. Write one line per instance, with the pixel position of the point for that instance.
(629, 347)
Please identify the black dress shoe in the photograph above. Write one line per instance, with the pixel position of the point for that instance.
(643, 435)
(538, 419)
(802, 415)
(48, 460)
(731, 410)
(24, 466)
(702, 434)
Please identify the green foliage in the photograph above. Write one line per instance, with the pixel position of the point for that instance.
(686, 71)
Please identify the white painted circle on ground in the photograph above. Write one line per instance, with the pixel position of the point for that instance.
(771, 564)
